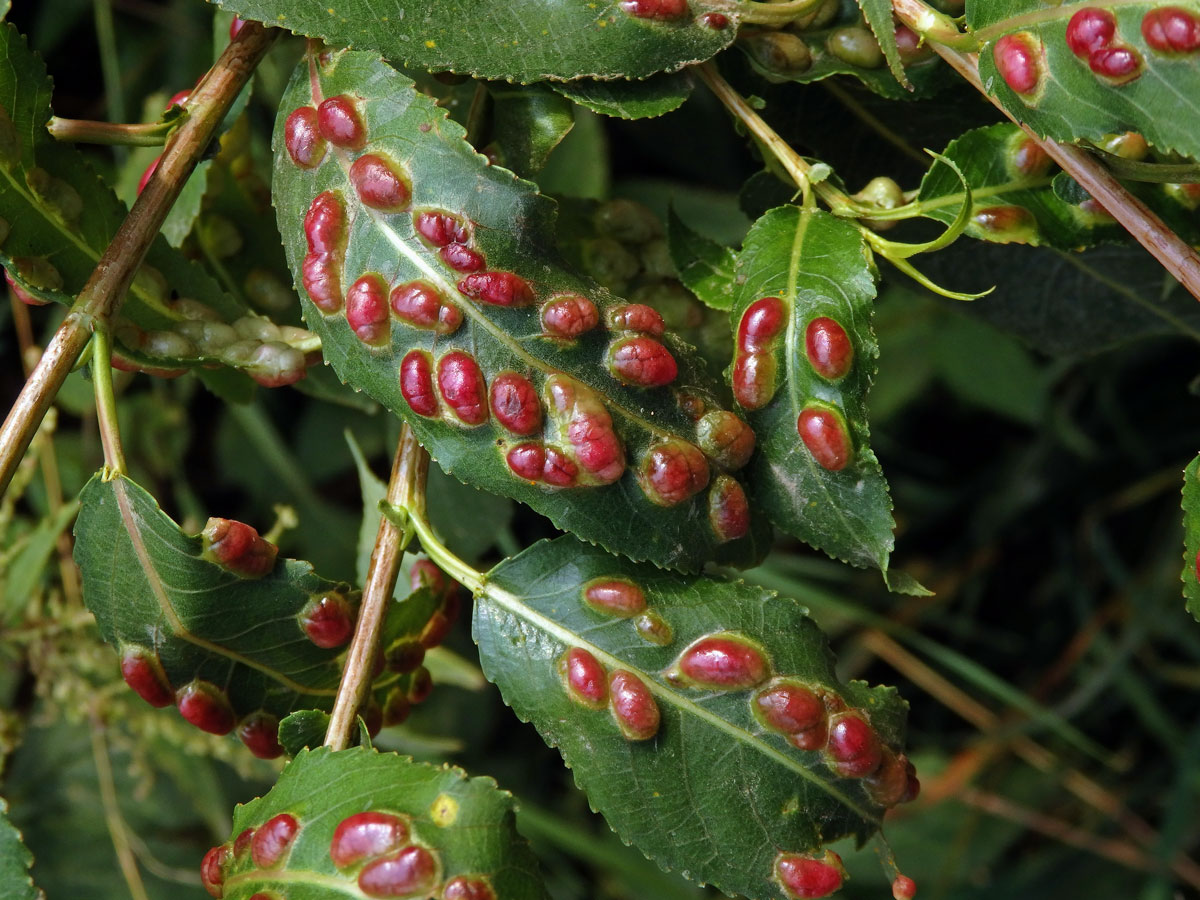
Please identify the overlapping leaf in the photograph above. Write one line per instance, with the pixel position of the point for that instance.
(713, 793)
(1015, 201)
(465, 826)
(512, 227)
(817, 265)
(1070, 101)
(529, 123)
(646, 99)
(705, 267)
(15, 861)
(151, 590)
(146, 583)
(59, 216)
(1191, 537)
(528, 41)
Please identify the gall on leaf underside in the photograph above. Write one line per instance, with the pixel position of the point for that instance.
(533, 40)
(1120, 74)
(648, 683)
(234, 653)
(362, 823)
(432, 280)
(1014, 200)
(802, 367)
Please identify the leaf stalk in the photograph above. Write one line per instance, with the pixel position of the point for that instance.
(86, 131)
(106, 403)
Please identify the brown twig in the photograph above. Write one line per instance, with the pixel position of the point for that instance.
(1139, 220)
(101, 298)
(405, 488)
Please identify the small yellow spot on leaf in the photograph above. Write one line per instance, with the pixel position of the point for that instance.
(431, 44)
(444, 811)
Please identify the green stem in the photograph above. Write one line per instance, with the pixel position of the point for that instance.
(453, 566)
(85, 131)
(106, 403)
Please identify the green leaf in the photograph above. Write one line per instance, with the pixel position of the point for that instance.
(645, 99)
(878, 14)
(1070, 101)
(15, 862)
(1018, 199)
(530, 124)
(713, 793)
(818, 267)
(303, 728)
(1191, 537)
(151, 590)
(529, 41)
(59, 216)
(465, 826)
(23, 563)
(512, 227)
(705, 267)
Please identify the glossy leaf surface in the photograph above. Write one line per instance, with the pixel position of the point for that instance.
(646, 99)
(504, 227)
(462, 828)
(705, 267)
(150, 589)
(712, 793)
(59, 216)
(1191, 537)
(15, 860)
(818, 268)
(528, 41)
(1016, 202)
(529, 123)
(1157, 93)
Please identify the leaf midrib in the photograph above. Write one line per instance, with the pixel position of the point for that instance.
(178, 629)
(517, 607)
(791, 357)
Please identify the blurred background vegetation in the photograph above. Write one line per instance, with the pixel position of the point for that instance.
(1034, 441)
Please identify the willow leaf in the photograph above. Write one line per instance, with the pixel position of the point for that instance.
(713, 790)
(809, 269)
(1153, 90)
(1012, 180)
(1191, 537)
(646, 99)
(449, 828)
(256, 648)
(705, 267)
(528, 41)
(15, 862)
(574, 441)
